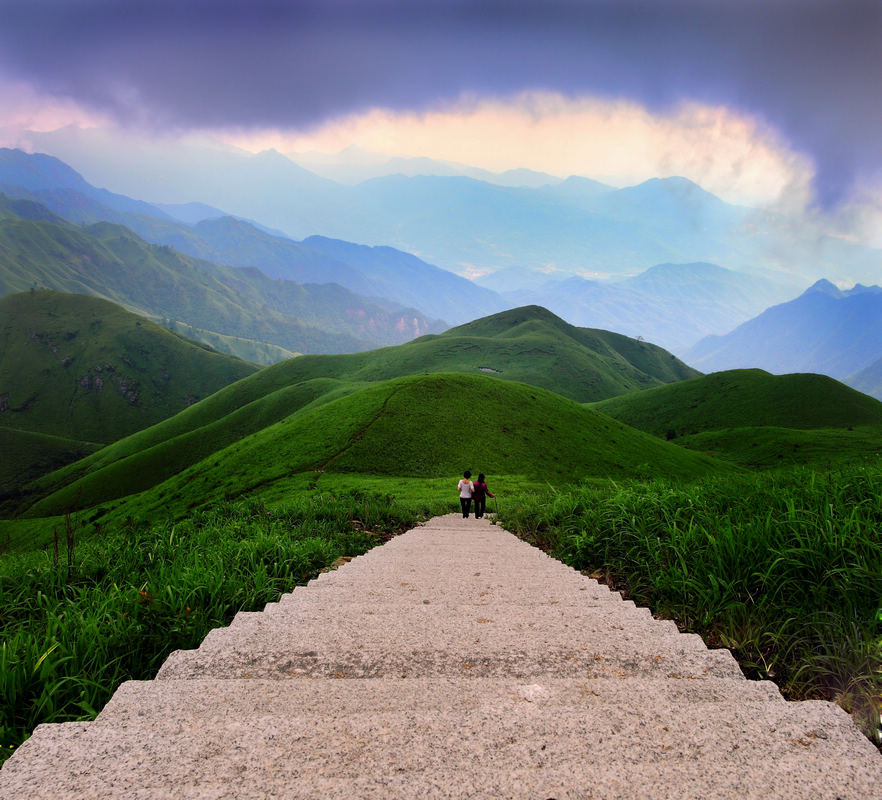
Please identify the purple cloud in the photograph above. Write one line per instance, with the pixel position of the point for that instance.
(811, 68)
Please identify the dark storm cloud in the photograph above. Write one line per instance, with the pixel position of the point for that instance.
(810, 68)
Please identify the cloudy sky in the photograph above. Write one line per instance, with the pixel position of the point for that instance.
(761, 101)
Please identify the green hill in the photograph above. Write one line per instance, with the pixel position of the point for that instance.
(758, 420)
(417, 426)
(85, 369)
(529, 345)
(27, 455)
(744, 398)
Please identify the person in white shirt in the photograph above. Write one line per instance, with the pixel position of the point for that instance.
(465, 488)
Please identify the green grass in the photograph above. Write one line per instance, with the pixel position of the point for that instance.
(746, 398)
(421, 427)
(785, 569)
(74, 628)
(527, 345)
(28, 455)
(86, 369)
(773, 448)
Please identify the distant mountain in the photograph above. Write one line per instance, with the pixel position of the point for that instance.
(354, 165)
(823, 330)
(189, 213)
(465, 221)
(78, 371)
(672, 305)
(44, 173)
(868, 380)
(112, 262)
(410, 281)
(375, 272)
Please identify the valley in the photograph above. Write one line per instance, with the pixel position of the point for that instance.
(192, 403)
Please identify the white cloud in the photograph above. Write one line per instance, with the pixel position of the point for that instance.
(24, 109)
(618, 142)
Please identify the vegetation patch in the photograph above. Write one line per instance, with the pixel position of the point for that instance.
(785, 569)
(80, 619)
(744, 398)
(421, 426)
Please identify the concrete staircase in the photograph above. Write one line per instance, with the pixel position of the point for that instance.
(454, 661)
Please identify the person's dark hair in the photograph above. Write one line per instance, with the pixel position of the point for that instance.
(467, 474)
(481, 478)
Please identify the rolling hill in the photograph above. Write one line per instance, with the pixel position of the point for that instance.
(758, 420)
(744, 398)
(86, 369)
(528, 345)
(417, 426)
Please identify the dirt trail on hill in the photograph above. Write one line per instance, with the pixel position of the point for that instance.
(455, 661)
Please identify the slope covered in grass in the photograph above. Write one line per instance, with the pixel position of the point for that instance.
(529, 345)
(772, 447)
(27, 455)
(86, 369)
(418, 426)
(744, 398)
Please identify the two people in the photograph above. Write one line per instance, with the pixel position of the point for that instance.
(473, 490)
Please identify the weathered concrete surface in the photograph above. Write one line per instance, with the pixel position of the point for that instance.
(455, 661)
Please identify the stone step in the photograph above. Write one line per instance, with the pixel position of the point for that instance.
(279, 657)
(449, 738)
(454, 661)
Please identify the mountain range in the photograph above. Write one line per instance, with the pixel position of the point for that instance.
(672, 304)
(825, 330)
(40, 249)
(465, 223)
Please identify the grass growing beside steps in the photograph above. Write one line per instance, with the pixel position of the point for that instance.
(785, 569)
(78, 621)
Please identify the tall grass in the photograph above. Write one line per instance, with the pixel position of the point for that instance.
(783, 569)
(76, 624)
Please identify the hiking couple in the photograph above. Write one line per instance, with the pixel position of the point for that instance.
(473, 490)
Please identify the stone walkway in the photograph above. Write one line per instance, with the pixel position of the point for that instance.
(453, 662)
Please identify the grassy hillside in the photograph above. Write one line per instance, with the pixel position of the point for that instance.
(582, 363)
(772, 447)
(85, 369)
(418, 426)
(28, 455)
(741, 399)
(528, 345)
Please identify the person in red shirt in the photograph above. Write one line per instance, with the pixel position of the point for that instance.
(480, 493)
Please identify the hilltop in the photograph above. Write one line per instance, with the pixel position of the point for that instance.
(744, 398)
(528, 345)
